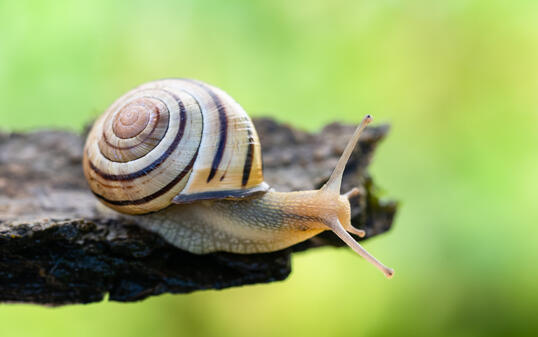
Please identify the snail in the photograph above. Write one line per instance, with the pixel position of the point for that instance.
(181, 158)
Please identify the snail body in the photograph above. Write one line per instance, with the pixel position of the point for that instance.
(181, 158)
(269, 222)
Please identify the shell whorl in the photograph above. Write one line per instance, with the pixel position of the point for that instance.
(172, 141)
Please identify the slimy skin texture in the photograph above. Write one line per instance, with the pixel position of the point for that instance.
(260, 224)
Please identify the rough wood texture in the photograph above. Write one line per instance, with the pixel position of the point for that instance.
(55, 248)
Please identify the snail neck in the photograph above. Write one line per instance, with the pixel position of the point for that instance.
(307, 209)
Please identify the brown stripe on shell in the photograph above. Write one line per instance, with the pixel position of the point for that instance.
(223, 129)
(146, 170)
(154, 195)
(248, 160)
(120, 150)
(108, 143)
(131, 120)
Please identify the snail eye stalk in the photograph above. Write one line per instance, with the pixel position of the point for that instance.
(334, 182)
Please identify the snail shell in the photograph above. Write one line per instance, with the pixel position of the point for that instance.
(172, 141)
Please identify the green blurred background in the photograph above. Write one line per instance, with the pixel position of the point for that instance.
(457, 80)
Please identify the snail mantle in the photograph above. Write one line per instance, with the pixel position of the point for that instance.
(56, 248)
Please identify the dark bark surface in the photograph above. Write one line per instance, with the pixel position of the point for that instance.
(55, 248)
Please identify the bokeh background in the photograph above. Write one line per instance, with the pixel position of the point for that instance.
(458, 82)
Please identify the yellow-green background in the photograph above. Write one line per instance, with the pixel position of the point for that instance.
(458, 81)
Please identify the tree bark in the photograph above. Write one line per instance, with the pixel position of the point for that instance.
(55, 248)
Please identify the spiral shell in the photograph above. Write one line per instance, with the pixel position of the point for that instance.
(172, 141)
